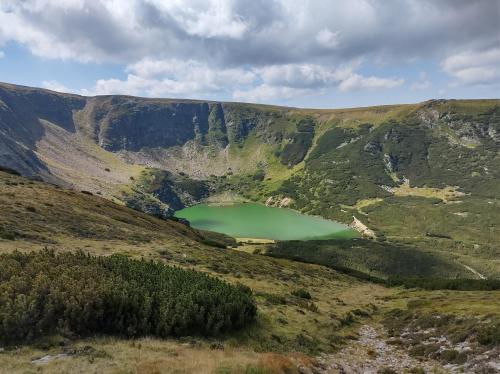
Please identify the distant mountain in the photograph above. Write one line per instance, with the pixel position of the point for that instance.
(383, 165)
(337, 153)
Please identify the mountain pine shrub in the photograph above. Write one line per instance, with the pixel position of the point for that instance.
(75, 294)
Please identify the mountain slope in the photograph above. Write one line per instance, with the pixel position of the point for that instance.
(382, 145)
(37, 215)
(42, 214)
(425, 175)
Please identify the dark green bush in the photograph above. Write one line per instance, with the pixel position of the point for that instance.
(45, 293)
(302, 293)
(453, 356)
(446, 284)
(489, 334)
(7, 234)
(259, 175)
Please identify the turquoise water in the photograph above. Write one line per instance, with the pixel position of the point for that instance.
(253, 220)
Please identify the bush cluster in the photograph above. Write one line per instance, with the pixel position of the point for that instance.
(302, 293)
(446, 284)
(375, 259)
(75, 294)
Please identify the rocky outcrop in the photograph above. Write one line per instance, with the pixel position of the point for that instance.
(357, 225)
(461, 129)
(279, 201)
(390, 162)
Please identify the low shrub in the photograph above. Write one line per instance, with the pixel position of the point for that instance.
(446, 284)
(44, 293)
(453, 356)
(302, 293)
(489, 334)
(272, 298)
(7, 234)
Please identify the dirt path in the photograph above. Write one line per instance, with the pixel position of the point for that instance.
(370, 354)
(475, 272)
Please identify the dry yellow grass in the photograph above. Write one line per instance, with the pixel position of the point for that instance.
(254, 241)
(141, 356)
(445, 194)
(66, 220)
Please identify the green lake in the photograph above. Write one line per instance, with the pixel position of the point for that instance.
(251, 220)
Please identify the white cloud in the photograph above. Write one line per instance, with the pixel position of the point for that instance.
(258, 32)
(265, 93)
(316, 76)
(422, 84)
(190, 70)
(282, 82)
(2, 54)
(256, 49)
(328, 38)
(474, 67)
(207, 19)
(196, 79)
(173, 78)
(356, 81)
(298, 75)
(54, 85)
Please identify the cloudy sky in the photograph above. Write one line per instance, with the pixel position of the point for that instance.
(308, 53)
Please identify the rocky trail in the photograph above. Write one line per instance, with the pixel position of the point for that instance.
(370, 354)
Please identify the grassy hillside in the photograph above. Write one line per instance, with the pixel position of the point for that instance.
(44, 214)
(37, 215)
(302, 309)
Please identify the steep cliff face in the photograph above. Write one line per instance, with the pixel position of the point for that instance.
(129, 124)
(171, 134)
(22, 111)
(121, 123)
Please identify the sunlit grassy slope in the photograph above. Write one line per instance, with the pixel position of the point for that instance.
(36, 215)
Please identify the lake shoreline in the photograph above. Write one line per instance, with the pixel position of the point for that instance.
(258, 222)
